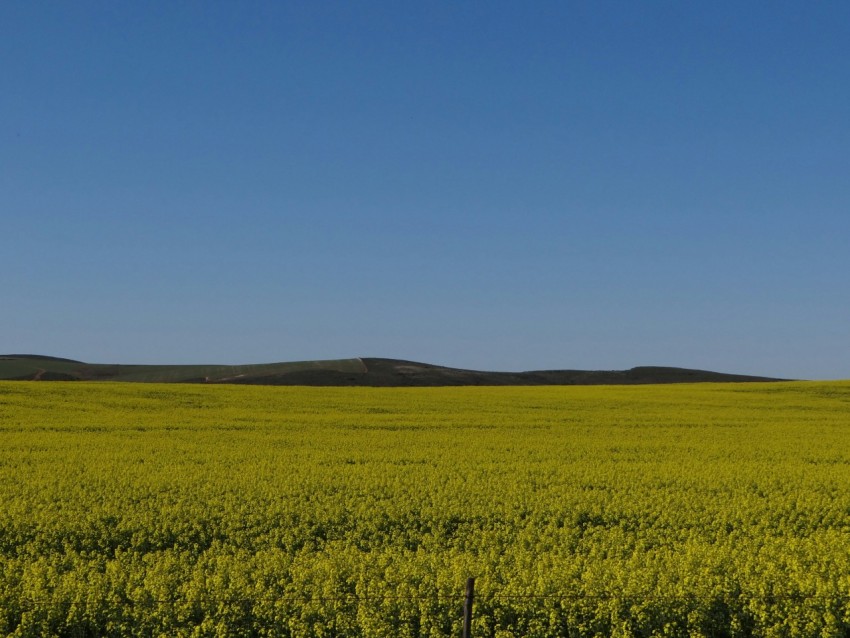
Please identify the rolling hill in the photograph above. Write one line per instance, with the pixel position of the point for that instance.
(374, 372)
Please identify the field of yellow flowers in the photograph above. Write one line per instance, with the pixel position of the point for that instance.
(169, 510)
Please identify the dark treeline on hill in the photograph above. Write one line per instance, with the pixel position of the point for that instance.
(342, 372)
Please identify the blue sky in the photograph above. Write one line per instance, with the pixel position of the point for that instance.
(488, 185)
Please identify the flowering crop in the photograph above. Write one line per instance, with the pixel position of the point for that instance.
(169, 510)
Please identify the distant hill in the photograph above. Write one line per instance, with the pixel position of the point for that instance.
(341, 372)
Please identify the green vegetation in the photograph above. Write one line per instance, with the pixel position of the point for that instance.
(23, 367)
(342, 372)
(169, 510)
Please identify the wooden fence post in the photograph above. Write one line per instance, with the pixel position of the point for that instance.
(467, 608)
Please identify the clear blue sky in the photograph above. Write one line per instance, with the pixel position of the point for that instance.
(492, 185)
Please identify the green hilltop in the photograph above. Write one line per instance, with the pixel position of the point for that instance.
(341, 372)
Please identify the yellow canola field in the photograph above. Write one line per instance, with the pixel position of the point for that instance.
(187, 510)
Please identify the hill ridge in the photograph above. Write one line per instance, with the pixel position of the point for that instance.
(358, 371)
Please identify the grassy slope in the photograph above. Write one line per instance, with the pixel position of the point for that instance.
(341, 372)
(29, 367)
